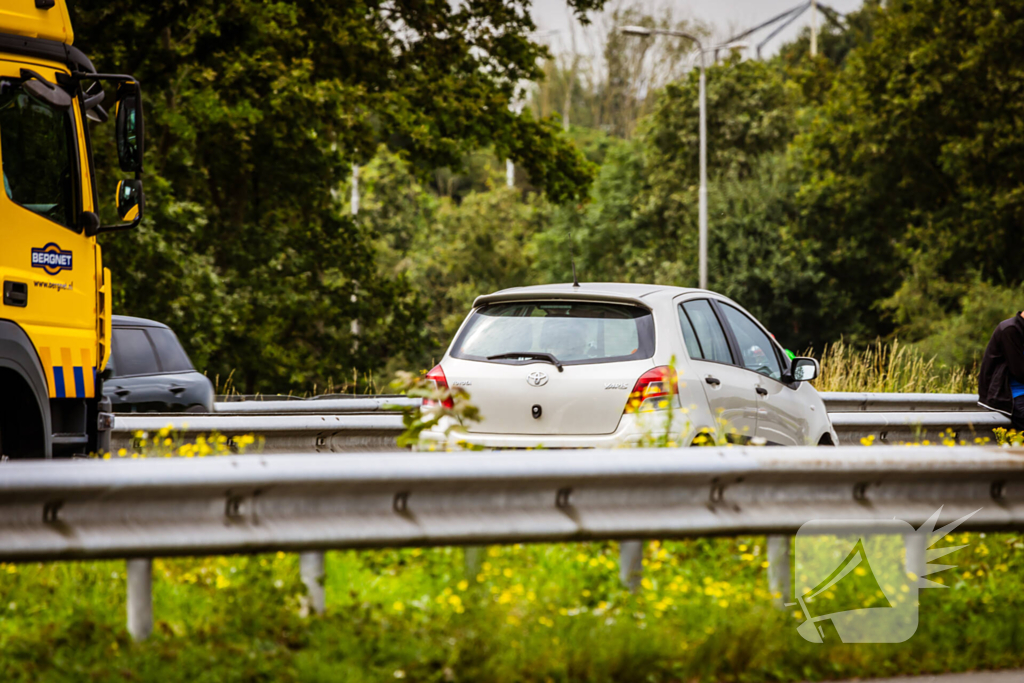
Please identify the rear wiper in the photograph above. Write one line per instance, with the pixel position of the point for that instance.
(538, 355)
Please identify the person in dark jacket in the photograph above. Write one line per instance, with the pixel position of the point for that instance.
(1001, 380)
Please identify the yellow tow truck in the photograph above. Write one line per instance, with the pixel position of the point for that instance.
(55, 315)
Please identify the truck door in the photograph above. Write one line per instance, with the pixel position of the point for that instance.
(47, 263)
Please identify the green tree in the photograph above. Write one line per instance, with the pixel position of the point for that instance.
(912, 183)
(255, 113)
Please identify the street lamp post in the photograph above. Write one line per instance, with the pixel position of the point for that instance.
(702, 269)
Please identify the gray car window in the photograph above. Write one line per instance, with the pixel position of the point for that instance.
(574, 332)
(689, 336)
(133, 354)
(755, 346)
(168, 350)
(710, 336)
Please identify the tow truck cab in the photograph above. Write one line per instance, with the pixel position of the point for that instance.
(55, 314)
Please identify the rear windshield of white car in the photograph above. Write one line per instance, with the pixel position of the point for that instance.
(574, 332)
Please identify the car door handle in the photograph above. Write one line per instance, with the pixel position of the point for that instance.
(762, 391)
(122, 392)
(177, 390)
(713, 381)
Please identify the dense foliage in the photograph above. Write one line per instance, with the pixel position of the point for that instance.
(872, 191)
(255, 113)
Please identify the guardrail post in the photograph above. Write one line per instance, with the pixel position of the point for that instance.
(473, 556)
(140, 597)
(631, 564)
(780, 582)
(311, 569)
(916, 547)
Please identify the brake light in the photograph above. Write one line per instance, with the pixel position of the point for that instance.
(440, 382)
(654, 390)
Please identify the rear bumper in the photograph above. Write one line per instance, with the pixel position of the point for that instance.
(631, 430)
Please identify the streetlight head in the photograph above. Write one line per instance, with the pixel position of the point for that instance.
(635, 30)
(738, 45)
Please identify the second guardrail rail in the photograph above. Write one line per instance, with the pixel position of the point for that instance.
(304, 433)
(835, 401)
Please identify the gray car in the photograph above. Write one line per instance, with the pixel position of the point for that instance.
(601, 365)
(149, 372)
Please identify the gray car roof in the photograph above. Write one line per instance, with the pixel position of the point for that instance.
(622, 291)
(129, 321)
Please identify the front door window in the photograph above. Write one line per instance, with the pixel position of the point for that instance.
(37, 155)
(756, 349)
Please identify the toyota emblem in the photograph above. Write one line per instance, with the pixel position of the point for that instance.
(537, 378)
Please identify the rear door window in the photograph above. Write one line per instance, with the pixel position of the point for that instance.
(168, 350)
(133, 353)
(574, 332)
(756, 348)
(706, 339)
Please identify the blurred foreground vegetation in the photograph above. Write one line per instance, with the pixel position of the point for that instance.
(528, 613)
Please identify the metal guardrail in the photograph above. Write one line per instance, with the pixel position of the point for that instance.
(378, 430)
(331, 406)
(139, 509)
(878, 402)
(893, 428)
(65, 510)
(837, 402)
(281, 433)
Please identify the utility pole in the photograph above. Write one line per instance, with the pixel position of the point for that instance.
(354, 328)
(814, 28)
(703, 192)
(510, 173)
(355, 189)
(702, 196)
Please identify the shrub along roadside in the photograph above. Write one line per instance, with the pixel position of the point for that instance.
(532, 613)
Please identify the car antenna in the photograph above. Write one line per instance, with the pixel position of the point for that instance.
(575, 280)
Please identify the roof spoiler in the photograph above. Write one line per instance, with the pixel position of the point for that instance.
(575, 295)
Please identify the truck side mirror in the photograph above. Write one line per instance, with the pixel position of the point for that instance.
(130, 129)
(129, 200)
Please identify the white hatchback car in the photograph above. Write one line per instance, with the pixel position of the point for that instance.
(591, 366)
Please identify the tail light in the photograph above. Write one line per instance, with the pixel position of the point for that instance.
(656, 389)
(440, 382)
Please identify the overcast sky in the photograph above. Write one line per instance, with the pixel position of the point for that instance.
(728, 17)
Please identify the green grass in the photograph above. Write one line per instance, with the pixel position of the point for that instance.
(889, 366)
(532, 613)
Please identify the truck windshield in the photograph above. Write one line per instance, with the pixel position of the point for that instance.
(574, 332)
(37, 154)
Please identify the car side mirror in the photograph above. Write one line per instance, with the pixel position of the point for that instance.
(129, 127)
(129, 200)
(804, 370)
